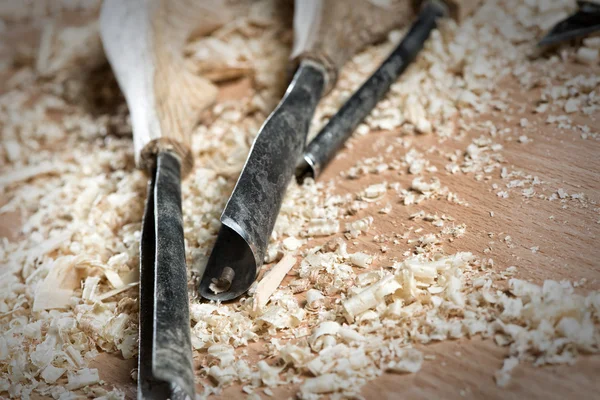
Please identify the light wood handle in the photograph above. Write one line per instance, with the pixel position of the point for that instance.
(331, 31)
(143, 40)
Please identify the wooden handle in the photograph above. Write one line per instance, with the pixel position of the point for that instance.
(143, 40)
(331, 31)
(459, 9)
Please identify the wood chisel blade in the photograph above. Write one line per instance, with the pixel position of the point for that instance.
(250, 213)
(165, 363)
(584, 21)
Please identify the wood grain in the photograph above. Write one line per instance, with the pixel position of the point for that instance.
(144, 42)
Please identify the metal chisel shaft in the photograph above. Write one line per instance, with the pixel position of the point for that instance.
(165, 362)
(585, 21)
(251, 211)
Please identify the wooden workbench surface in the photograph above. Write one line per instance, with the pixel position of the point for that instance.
(568, 249)
(551, 238)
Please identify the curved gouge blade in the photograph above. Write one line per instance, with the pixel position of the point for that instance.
(165, 361)
(231, 250)
(339, 128)
(327, 33)
(252, 209)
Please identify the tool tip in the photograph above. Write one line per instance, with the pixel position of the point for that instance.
(306, 168)
(231, 268)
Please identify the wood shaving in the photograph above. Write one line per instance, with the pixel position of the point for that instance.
(271, 281)
(409, 361)
(588, 56)
(81, 378)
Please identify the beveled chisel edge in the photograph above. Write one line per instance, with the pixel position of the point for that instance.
(243, 262)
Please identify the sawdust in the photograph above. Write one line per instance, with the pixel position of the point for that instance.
(342, 321)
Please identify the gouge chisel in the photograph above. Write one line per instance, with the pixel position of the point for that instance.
(327, 33)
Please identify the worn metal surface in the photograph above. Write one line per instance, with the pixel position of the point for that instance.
(252, 209)
(339, 128)
(584, 22)
(165, 368)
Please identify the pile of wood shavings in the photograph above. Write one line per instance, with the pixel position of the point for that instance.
(67, 292)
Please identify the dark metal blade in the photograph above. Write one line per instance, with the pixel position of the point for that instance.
(339, 128)
(584, 22)
(252, 209)
(165, 353)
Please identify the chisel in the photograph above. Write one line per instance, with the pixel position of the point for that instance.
(340, 127)
(327, 33)
(330, 139)
(143, 41)
(585, 21)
